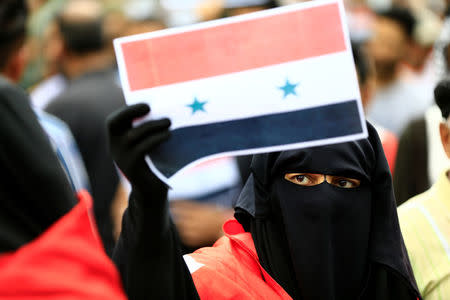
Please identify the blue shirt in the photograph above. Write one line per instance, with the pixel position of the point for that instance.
(66, 149)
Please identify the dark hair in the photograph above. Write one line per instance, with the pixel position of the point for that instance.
(445, 55)
(447, 11)
(361, 62)
(13, 18)
(266, 5)
(442, 97)
(272, 4)
(82, 36)
(402, 16)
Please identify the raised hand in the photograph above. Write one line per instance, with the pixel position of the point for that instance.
(129, 144)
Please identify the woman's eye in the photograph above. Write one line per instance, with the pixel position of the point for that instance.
(346, 183)
(302, 179)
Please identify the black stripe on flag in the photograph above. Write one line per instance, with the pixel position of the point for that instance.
(190, 143)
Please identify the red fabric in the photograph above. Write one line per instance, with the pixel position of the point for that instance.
(231, 269)
(66, 262)
(390, 146)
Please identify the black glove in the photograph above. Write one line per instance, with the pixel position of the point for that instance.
(129, 145)
(148, 251)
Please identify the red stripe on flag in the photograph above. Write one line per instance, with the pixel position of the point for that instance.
(233, 47)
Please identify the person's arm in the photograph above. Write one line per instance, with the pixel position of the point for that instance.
(148, 252)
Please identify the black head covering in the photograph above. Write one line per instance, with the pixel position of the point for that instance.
(13, 16)
(323, 241)
(442, 97)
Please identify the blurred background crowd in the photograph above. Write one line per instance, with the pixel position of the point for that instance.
(401, 50)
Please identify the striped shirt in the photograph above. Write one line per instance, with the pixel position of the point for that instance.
(425, 224)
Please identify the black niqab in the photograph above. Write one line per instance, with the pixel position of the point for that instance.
(323, 241)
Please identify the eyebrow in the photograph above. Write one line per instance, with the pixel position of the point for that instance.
(353, 174)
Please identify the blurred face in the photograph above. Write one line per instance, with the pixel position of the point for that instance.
(34, 5)
(16, 63)
(52, 49)
(445, 136)
(388, 46)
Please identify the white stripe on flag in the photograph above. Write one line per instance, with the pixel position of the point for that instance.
(255, 92)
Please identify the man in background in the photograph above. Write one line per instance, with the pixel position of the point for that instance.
(421, 143)
(31, 174)
(397, 100)
(92, 94)
(424, 219)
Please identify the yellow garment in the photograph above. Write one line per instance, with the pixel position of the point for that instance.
(425, 224)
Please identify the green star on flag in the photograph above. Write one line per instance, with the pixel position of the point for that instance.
(197, 105)
(289, 88)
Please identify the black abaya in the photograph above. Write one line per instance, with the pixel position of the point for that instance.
(34, 190)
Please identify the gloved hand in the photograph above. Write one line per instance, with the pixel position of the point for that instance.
(148, 251)
(129, 145)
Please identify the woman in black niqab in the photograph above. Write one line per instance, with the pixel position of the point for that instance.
(338, 238)
(323, 221)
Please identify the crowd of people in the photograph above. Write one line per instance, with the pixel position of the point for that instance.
(83, 217)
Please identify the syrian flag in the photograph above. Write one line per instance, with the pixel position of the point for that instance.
(274, 80)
